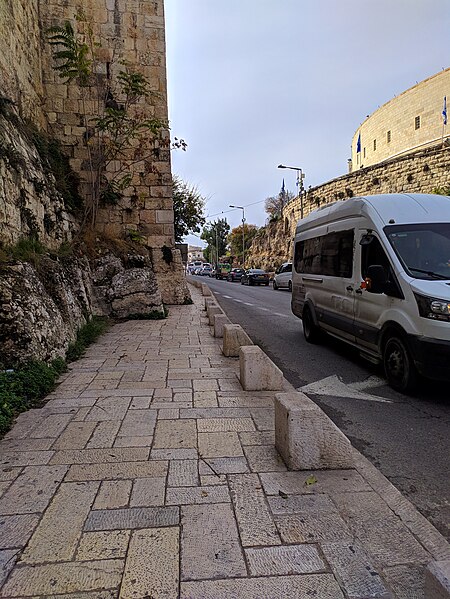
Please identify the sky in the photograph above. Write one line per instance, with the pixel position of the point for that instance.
(257, 83)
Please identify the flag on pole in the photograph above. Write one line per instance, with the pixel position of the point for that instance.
(444, 110)
(358, 144)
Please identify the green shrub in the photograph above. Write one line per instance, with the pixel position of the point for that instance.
(86, 335)
(25, 387)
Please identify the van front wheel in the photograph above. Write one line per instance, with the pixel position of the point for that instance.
(399, 366)
(310, 330)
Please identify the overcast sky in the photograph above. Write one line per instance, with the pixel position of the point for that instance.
(256, 83)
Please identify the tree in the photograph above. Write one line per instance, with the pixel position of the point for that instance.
(274, 204)
(216, 235)
(235, 239)
(188, 209)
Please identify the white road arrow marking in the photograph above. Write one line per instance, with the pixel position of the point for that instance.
(334, 386)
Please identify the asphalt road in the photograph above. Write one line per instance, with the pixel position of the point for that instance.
(407, 438)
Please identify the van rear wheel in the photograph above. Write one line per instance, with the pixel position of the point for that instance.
(399, 366)
(311, 331)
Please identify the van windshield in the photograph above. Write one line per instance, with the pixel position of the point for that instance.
(423, 249)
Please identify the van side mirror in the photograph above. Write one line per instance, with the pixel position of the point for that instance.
(376, 279)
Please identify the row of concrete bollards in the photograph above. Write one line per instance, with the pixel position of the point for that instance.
(304, 435)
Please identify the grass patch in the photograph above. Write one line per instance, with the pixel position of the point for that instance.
(86, 335)
(25, 387)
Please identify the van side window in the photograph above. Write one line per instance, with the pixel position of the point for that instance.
(330, 254)
(374, 254)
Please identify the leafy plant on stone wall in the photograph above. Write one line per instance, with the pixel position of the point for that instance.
(119, 130)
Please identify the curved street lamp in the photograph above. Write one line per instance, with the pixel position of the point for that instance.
(243, 232)
(299, 183)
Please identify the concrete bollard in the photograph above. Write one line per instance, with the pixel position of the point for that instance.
(306, 438)
(257, 371)
(205, 289)
(234, 337)
(219, 321)
(437, 580)
(209, 300)
(211, 311)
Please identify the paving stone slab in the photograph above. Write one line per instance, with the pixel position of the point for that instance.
(110, 544)
(322, 586)
(406, 581)
(51, 579)
(298, 504)
(183, 473)
(17, 529)
(100, 456)
(210, 543)
(168, 414)
(217, 466)
(197, 495)
(141, 403)
(328, 481)
(113, 494)
(8, 445)
(239, 401)
(9, 473)
(264, 418)
(258, 438)
(148, 492)
(175, 434)
(354, 571)
(109, 408)
(54, 540)
(264, 458)
(215, 412)
(138, 423)
(75, 436)
(173, 454)
(313, 528)
(33, 489)
(138, 517)
(112, 471)
(52, 426)
(216, 425)
(152, 566)
(24, 458)
(214, 445)
(8, 558)
(133, 442)
(255, 522)
(276, 561)
(104, 434)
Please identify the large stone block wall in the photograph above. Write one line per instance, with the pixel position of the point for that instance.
(20, 57)
(422, 172)
(130, 31)
(424, 100)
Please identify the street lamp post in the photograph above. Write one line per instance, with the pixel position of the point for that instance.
(243, 233)
(299, 183)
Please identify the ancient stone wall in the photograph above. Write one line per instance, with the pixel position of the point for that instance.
(422, 172)
(20, 57)
(132, 32)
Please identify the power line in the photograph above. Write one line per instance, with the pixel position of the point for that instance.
(226, 211)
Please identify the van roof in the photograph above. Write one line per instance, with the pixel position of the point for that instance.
(401, 208)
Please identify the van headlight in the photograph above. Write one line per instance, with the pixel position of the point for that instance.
(431, 307)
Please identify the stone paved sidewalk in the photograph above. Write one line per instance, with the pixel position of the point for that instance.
(151, 474)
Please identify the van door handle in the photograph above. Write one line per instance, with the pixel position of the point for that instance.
(359, 291)
(349, 288)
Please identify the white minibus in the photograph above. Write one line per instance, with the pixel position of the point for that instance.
(374, 271)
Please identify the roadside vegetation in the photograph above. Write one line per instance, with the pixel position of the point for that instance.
(26, 386)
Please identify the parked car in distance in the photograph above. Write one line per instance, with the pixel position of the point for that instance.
(255, 276)
(235, 274)
(283, 277)
(206, 271)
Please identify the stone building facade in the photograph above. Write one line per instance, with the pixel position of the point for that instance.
(409, 122)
